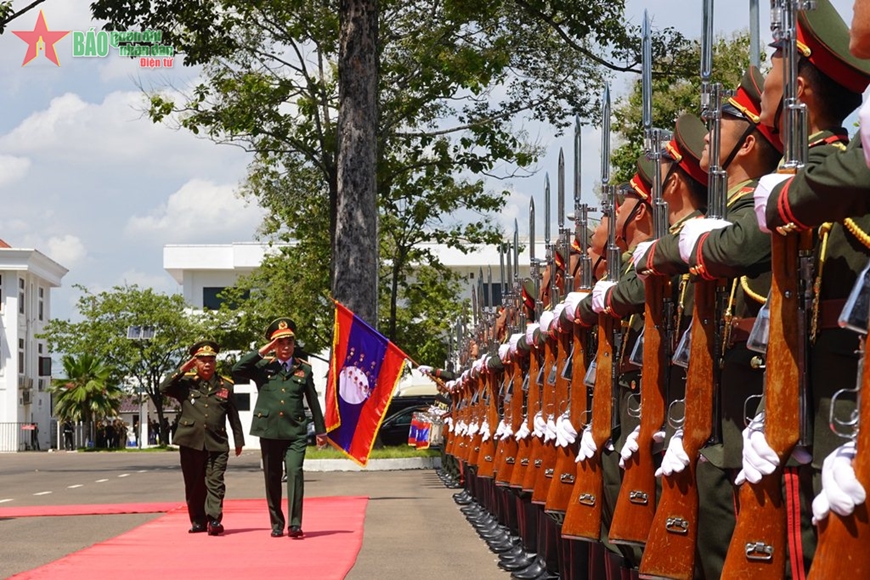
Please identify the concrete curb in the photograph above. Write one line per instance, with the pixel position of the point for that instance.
(373, 465)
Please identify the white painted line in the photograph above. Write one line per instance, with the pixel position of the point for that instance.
(5, 500)
(73, 486)
(101, 480)
(42, 493)
(124, 475)
(142, 471)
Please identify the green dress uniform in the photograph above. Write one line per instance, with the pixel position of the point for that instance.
(203, 441)
(280, 423)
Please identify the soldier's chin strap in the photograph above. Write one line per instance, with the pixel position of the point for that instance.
(779, 109)
(630, 217)
(738, 145)
(597, 263)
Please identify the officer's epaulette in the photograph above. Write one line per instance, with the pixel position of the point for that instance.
(227, 379)
(303, 361)
(268, 358)
(190, 373)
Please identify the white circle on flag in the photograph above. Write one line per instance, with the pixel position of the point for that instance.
(353, 385)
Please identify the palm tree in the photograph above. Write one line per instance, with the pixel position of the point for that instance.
(86, 393)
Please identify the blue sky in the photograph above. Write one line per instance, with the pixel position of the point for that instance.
(88, 180)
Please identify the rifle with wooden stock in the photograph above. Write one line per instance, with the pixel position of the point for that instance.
(843, 540)
(552, 354)
(579, 339)
(670, 548)
(636, 504)
(514, 415)
(491, 382)
(583, 515)
(759, 545)
(525, 451)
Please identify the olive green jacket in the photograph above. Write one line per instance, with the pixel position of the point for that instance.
(280, 412)
(205, 407)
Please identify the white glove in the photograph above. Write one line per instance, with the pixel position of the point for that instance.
(841, 490)
(572, 301)
(549, 430)
(449, 422)
(523, 431)
(694, 229)
(425, 369)
(565, 432)
(514, 339)
(546, 321)
(473, 428)
(587, 446)
(507, 433)
(530, 333)
(504, 352)
(758, 458)
(484, 429)
(638, 258)
(864, 130)
(499, 431)
(675, 459)
(631, 447)
(762, 193)
(540, 426)
(599, 295)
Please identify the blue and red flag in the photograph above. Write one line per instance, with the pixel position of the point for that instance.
(363, 373)
(423, 429)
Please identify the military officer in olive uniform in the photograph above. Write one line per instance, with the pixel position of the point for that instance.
(207, 401)
(279, 419)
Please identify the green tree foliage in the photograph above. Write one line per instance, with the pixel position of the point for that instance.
(673, 97)
(8, 13)
(457, 82)
(102, 335)
(87, 392)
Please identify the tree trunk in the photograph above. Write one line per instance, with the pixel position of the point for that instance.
(355, 248)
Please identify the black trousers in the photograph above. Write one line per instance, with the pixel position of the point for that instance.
(204, 486)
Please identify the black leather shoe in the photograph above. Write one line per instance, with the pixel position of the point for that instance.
(215, 528)
(296, 532)
(196, 529)
(516, 565)
(277, 533)
(534, 570)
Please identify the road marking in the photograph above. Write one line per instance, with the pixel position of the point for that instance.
(142, 471)
(73, 486)
(124, 475)
(101, 480)
(42, 493)
(5, 500)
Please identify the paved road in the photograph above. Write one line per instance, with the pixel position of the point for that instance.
(412, 529)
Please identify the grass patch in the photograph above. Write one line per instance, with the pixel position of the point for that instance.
(396, 452)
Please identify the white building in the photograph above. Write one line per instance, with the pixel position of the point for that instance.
(203, 271)
(26, 279)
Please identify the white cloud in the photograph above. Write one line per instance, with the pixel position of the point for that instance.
(13, 169)
(159, 282)
(67, 250)
(199, 211)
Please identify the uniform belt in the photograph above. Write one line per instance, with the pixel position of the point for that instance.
(740, 329)
(829, 313)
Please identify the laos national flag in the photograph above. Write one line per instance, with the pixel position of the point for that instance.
(423, 434)
(363, 373)
(413, 432)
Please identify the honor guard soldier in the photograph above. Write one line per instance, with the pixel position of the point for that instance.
(207, 401)
(279, 419)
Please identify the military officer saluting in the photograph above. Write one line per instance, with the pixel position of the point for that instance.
(279, 419)
(206, 403)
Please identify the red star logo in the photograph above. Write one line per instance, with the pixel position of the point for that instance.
(40, 38)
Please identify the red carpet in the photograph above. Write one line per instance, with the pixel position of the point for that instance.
(163, 548)
(89, 510)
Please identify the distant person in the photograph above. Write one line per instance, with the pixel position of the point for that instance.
(68, 431)
(279, 419)
(207, 401)
(173, 427)
(34, 437)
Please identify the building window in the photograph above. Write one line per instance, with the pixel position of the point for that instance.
(20, 356)
(41, 303)
(496, 295)
(1, 294)
(212, 301)
(21, 296)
